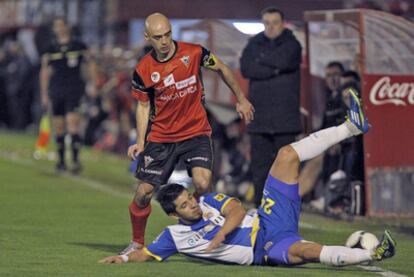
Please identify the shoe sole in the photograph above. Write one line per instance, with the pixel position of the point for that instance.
(354, 95)
(356, 99)
(390, 238)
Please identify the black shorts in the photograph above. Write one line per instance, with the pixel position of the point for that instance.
(65, 102)
(158, 160)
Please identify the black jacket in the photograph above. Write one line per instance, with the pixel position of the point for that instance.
(273, 68)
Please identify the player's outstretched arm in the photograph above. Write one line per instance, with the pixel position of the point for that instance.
(244, 108)
(135, 256)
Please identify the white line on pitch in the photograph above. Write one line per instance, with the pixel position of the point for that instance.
(381, 271)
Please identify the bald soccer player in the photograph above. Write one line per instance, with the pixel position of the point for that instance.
(217, 228)
(171, 118)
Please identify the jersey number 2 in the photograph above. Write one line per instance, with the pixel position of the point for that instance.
(267, 204)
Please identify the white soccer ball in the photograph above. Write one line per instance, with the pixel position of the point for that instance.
(362, 239)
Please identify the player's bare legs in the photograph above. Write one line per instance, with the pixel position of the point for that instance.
(201, 180)
(139, 211)
(140, 208)
(59, 125)
(143, 195)
(286, 165)
(309, 252)
(286, 169)
(304, 252)
(309, 174)
(73, 125)
(59, 128)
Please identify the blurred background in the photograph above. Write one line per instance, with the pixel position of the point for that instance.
(372, 39)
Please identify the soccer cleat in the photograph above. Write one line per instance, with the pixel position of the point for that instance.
(386, 248)
(76, 168)
(60, 168)
(356, 113)
(130, 248)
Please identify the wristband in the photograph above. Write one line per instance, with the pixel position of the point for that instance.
(124, 258)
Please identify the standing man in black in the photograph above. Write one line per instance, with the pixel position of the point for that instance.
(271, 62)
(62, 86)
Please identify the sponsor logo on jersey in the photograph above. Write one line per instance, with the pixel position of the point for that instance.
(153, 172)
(179, 94)
(169, 80)
(197, 159)
(186, 82)
(191, 242)
(184, 87)
(199, 235)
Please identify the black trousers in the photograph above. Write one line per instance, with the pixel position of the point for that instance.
(264, 148)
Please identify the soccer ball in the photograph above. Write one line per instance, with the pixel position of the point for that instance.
(362, 239)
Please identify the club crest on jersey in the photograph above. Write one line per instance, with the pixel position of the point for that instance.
(185, 60)
(147, 160)
(155, 77)
(72, 61)
(207, 215)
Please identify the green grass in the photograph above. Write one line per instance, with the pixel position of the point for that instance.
(61, 226)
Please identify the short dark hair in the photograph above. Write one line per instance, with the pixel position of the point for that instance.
(336, 64)
(273, 9)
(167, 195)
(353, 74)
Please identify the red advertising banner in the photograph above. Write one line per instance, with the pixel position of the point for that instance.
(389, 105)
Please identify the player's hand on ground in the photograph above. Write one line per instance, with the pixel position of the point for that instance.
(134, 150)
(245, 110)
(112, 260)
(215, 242)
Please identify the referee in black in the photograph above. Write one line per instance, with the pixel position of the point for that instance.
(62, 87)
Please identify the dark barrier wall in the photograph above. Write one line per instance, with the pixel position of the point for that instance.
(234, 9)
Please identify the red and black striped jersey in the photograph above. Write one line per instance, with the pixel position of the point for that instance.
(175, 91)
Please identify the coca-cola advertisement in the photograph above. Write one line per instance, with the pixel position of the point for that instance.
(386, 92)
(389, 103)
(389, 145)
(379, 46)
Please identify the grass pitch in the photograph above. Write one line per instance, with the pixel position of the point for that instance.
(62, 225)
